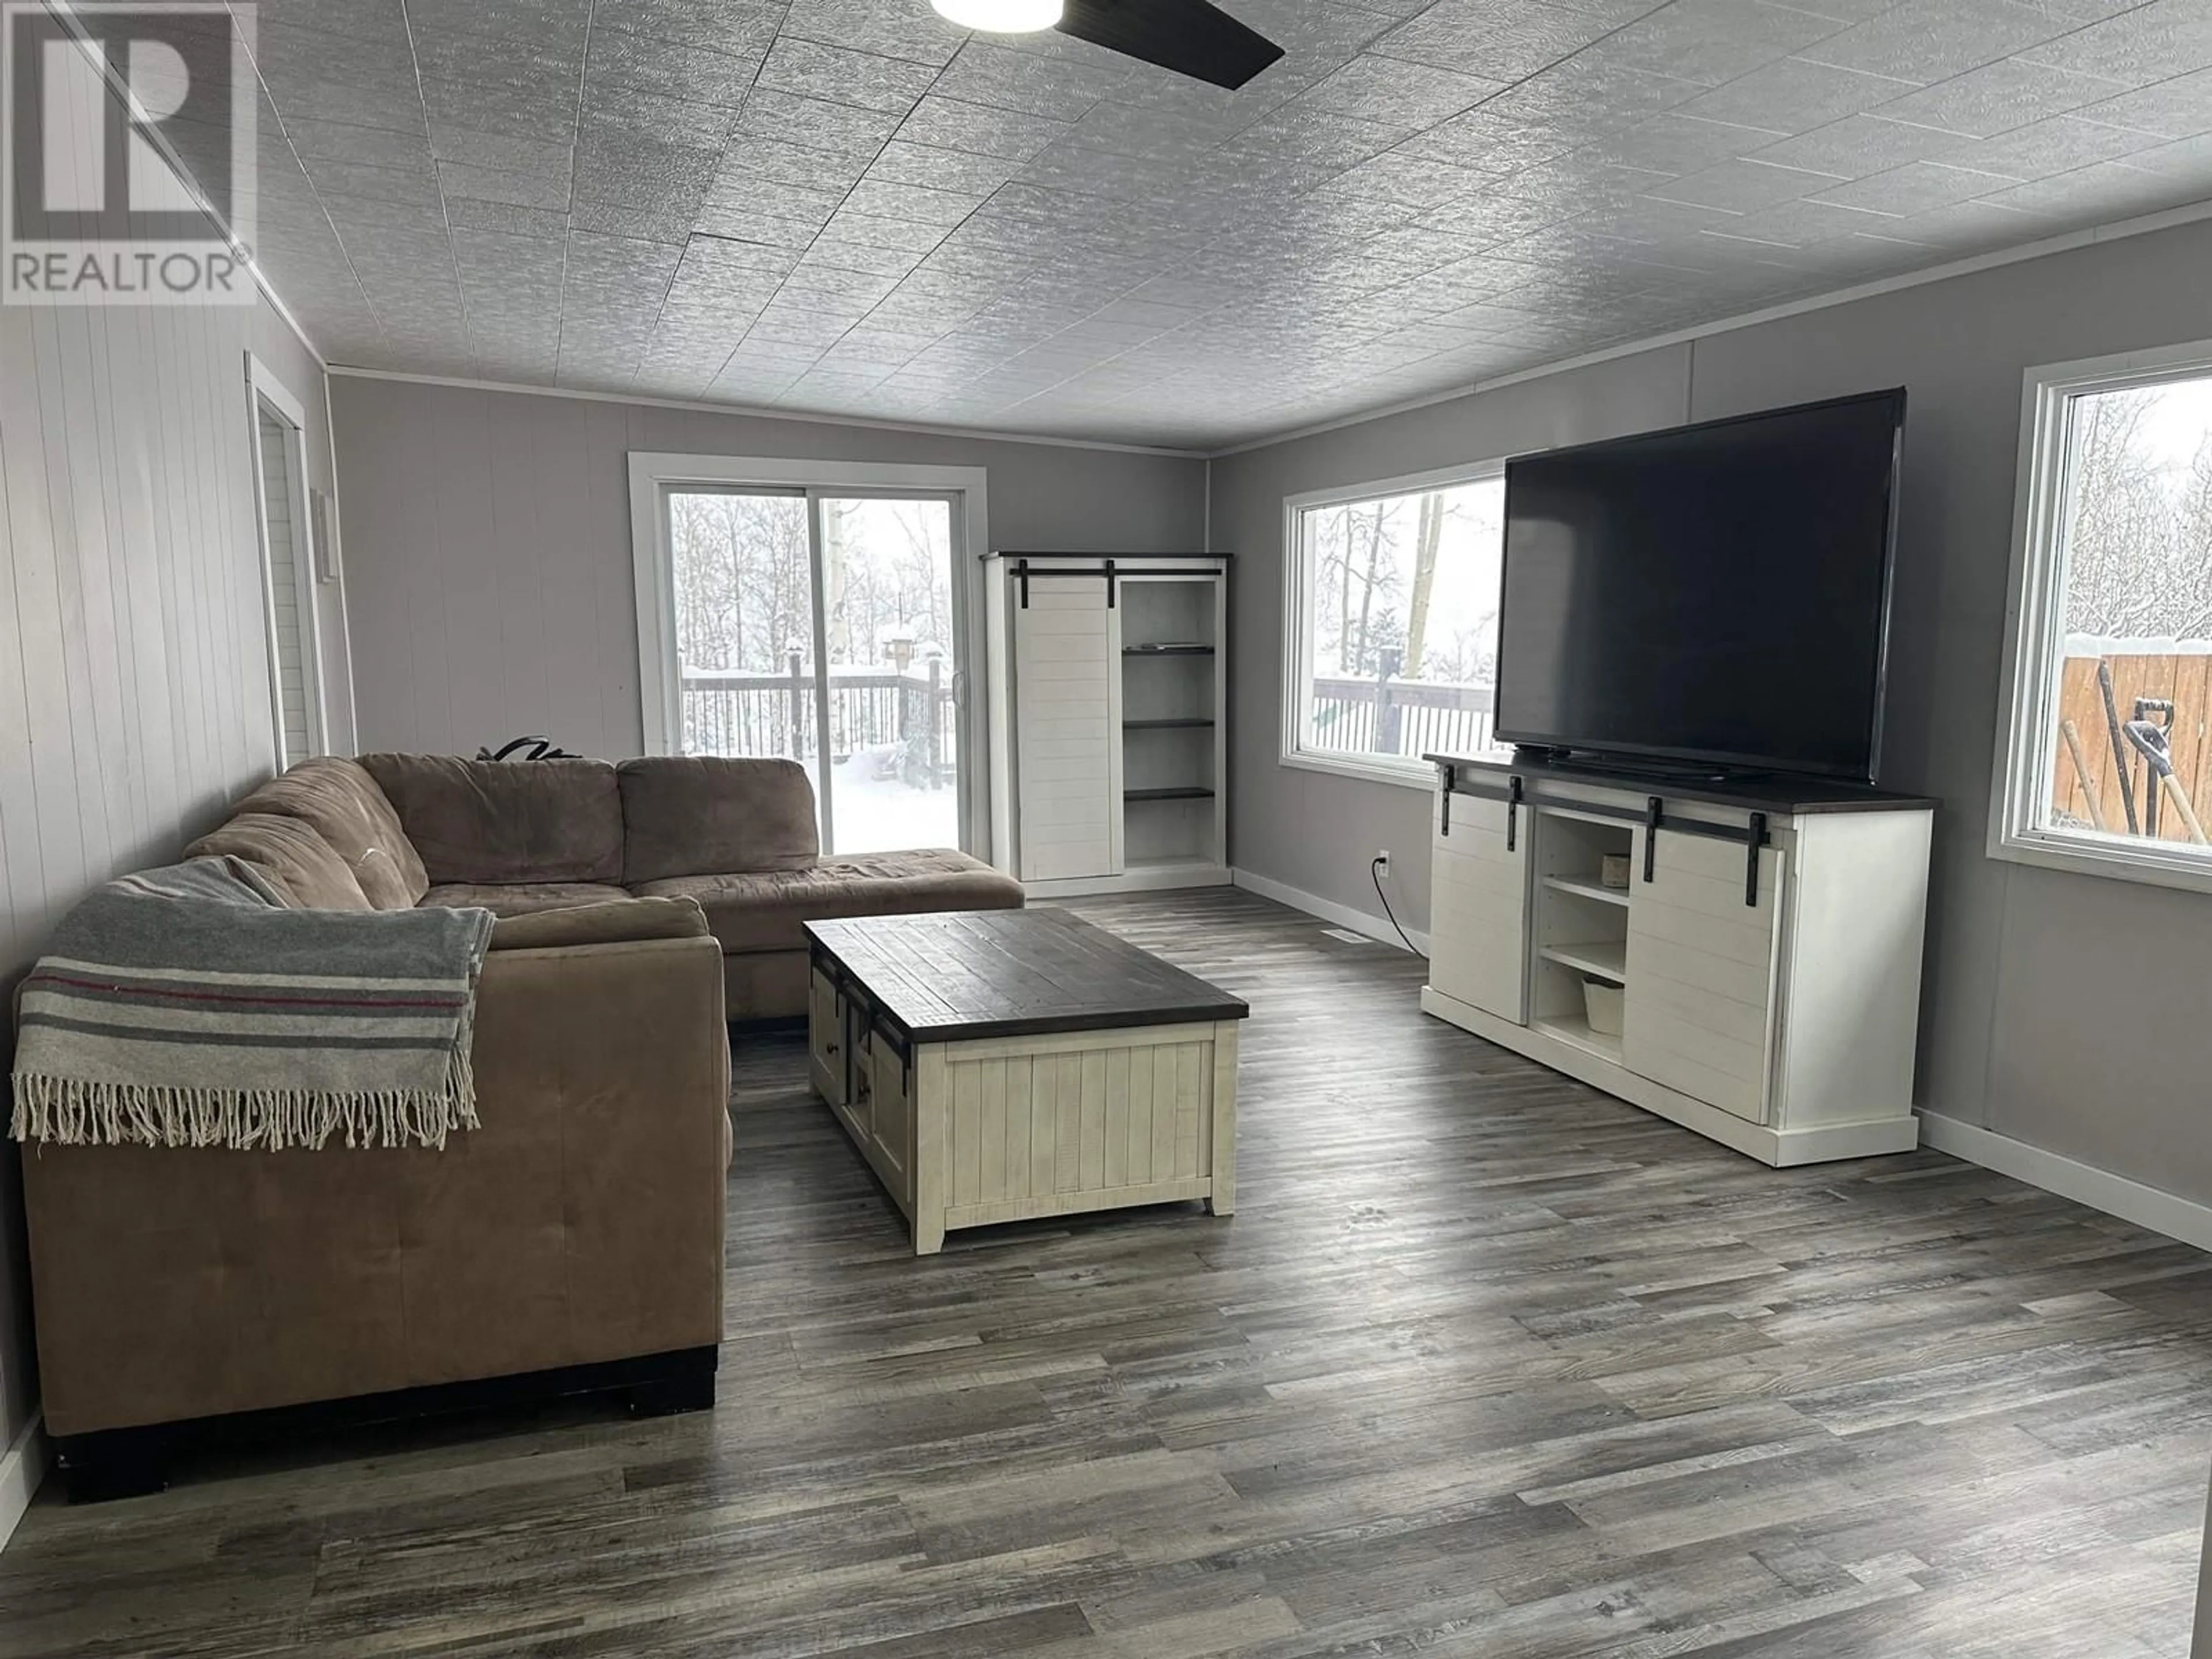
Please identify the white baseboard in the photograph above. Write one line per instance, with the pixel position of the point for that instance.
(21, 1470)
(2147, 1206)
(1341, 916)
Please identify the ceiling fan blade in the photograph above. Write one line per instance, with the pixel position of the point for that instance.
(1187, 36)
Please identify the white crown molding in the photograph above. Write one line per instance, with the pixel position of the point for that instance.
(755, 412)
(2117, 230)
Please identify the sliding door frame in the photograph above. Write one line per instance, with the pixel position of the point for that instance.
(653, 476)
(265, 393)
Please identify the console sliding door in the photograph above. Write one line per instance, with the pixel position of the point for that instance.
(825, 626)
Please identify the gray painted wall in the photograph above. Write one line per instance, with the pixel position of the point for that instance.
(136, 706)
(2041, 986)
(488, 540)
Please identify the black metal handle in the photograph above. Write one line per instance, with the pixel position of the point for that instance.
(1653, 810)
(1512, 807)
(1758, 839)
(1451, 782)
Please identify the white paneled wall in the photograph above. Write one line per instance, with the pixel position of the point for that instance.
(134, 689)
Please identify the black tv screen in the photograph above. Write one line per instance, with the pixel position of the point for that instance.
(1717, 593)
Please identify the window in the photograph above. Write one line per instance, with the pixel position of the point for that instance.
(753, 575)
(2107, 744)
(1392, 613)
(288, 567)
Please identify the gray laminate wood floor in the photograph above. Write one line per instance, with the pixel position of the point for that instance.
(1485, 1365)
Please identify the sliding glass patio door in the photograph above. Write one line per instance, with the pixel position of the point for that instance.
(826, 626)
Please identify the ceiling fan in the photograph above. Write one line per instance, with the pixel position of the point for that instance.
(1187, 36)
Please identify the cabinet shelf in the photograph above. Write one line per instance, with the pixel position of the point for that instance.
(1181, 792)
(1178, 723)
(1574, 1030)
(1167, 650)
(1589, 890)
(1604, 958)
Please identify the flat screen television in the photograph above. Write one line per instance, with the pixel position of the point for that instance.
(1716, 596)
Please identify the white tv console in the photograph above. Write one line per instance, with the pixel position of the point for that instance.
(1767, 944)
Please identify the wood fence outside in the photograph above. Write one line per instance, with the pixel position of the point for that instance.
(2185, 681)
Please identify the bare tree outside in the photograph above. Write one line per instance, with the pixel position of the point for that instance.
(1404, 594)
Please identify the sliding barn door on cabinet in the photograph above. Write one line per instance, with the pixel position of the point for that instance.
(1067, 715)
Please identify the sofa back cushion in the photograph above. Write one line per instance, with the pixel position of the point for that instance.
(695, 815)
(498, 822)
(301, 865)
(341, 804)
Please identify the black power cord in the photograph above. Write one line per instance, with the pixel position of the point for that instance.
(1375, 874)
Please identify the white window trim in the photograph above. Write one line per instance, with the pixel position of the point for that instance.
(652, 473)
(2035, 629)
(264, 387)
(1297, 622)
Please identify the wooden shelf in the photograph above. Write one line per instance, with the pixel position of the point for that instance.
(1602, 958)
(1574, 1030)
(1181, 792)
(1589, 890)
(1167, 650)
(1178, 723)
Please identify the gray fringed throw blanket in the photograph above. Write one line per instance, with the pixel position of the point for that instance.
(190, 1006)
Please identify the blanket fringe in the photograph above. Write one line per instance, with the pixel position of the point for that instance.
(73, 1112)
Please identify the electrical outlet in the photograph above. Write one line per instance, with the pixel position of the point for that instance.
(1382, 862)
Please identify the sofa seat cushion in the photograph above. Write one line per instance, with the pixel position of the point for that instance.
(506, 823)
(520, 898)
(297, 860)
(343, 806)
(625, 920)
(763, 910)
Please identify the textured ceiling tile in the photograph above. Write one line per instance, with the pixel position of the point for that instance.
(2179, 108)
(1589, 96)
(1679, 143)
(648, 173)
(2058, 145)
(2110, 187)
(1860, 144)
(746, 27)
(511, 110)
(382, 147)
(505, 218)
(902, 29)
(1499, 40)
(416, 185)
(632, 223)
(545, 191)
(1795, 95)
(1743, 186)
(557, 24)
(982, 129)
(1404, 96)
(669, 69)
(1711, 41)
(815, 123)
(2152, 43)
(1927, 40)
(2185, 158)
(807, 68)
(1006, 79)
(928, 167)
(1998, 97)
(1913, 188)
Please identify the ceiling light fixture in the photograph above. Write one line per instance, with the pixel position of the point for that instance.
(1000, 17)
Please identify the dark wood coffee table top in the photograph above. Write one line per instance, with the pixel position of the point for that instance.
(956, 976)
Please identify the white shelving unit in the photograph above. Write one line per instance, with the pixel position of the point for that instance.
(1766, 947)
(1109, 721)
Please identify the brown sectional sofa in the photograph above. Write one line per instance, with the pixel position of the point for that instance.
(580, 1231)
(736, 836)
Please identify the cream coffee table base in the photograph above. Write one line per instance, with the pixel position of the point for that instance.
(1001, 1066)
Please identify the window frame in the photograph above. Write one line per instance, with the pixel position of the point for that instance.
(1297, 624)
(264, 390)
(2035, 630)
